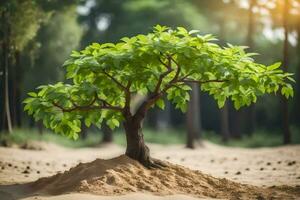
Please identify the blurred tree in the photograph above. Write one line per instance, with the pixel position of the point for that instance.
(223, 24)
(296, 107)
(285, 62)
(19, 26)
(250, 111)
(57, 38)
(20, 22)
(224, 112)
(285, 15)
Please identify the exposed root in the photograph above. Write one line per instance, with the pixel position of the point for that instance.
(154, 164)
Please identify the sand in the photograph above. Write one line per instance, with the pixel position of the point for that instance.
(123, 178)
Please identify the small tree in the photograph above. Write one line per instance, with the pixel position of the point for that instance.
(103, 78)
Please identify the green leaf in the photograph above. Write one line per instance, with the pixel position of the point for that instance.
(75, 54)
(221, 102)
(112, 123)
(32, 94)
(237, 105)
(274, 66)
(160, 103)
(182, 31)
(87, 122)
(291, 79)
(193, 32)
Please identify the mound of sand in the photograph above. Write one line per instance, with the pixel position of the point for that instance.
(123, 175)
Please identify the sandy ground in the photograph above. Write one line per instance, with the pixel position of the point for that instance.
(264, 167)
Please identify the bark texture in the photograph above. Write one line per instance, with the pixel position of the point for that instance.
(136, 147)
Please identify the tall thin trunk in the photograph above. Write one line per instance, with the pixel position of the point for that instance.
(40, 127)
(152, 119)
(235, 131)
(224, 113)
(251, 122)
(2, 89)
(6, 47)
(159, 119)
(83, 133)
(284, 103)
(6, 98)
(16, 99)
(225, 123)
(193, 117)
(296, 108)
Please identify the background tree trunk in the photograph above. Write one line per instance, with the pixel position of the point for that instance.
(225, 123)
(224, 112)
(152, 119)
(284, 102)
(193, 117)
(107, 134)
(2, 89)
(250, 111)
(235, 123)
(40, 127)
(16, 91)
(296, 107)
(83, 133)
(6, 47)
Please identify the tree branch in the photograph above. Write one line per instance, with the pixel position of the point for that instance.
(89, 106)
(141, 111)
(163, 63)
(126, 110)
(115, 80)
(177, 71)
(104, 102)
(202, 82)
(157, 93)
(162, 76)
(126, 89)
(86, 108)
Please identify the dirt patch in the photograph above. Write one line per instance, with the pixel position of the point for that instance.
(123, 175)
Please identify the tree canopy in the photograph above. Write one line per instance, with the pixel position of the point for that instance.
(103, 77)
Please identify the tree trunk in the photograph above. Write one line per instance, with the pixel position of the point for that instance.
(224, 112)
(83, 133)
(152, 119)
(284, 103)
(107, 134)
(250, 111)
(225, 123)
(16, 97)
(40, 127)
(5, 73)
(136, 147)
(296, 107)
(236, 123)
(2, 89)
(193, 117)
